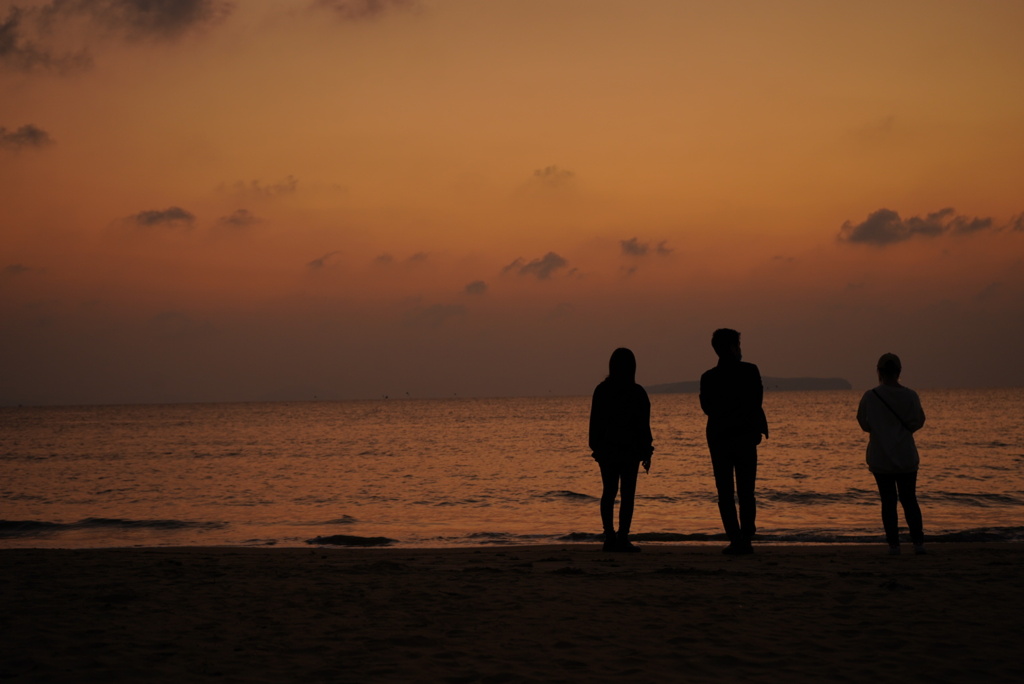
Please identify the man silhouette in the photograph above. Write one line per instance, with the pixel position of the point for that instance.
(731, 395)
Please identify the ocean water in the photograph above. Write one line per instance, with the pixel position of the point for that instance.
(456, 472)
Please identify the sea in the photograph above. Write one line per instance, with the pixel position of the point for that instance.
(464, 472)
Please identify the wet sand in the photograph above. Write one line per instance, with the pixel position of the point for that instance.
(514, 614)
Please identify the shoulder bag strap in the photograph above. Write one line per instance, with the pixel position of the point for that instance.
(902, 422)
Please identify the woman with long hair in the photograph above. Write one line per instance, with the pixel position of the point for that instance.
(620, 438)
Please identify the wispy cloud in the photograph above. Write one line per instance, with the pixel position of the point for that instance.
(256, 188)
(240, 218)
(140, 19)
(553, 177)
(477, 287)
(633, 247)
(321, 262)
(170, 217)
(885, 227)
(16, 270)
(360, 10)
(542, 268)
(25, 137)
(21, 49)
(34, 38)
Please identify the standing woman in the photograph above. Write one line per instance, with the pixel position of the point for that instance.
(891, 414)
(620, 437)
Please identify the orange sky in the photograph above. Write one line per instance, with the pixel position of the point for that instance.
(348, 199)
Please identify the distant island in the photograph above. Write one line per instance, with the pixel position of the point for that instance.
(770, 385)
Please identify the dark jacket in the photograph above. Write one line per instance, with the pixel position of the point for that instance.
(731, 394)
(620, 422)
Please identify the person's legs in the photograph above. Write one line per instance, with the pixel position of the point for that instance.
(722, 464)
(906, 485)
(610, 483)
(627, 477)
(890, 521)
(746, 475)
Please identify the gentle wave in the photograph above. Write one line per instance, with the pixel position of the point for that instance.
(24, 528)
(350, 540)
(343, 520)
(812, 497)
(33, 528)
(568, 494)
(973, 499)
(983, 534)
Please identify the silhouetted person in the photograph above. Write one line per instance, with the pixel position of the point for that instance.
(620, 437)
(891, 414)
(731, 394)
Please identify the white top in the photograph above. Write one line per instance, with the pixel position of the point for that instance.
(891, 447)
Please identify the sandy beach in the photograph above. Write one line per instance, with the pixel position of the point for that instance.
(547, 613)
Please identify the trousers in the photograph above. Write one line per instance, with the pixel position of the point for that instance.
(735, 467)
(901, 487)
(613, 473)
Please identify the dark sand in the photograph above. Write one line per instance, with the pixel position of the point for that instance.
(552, 613)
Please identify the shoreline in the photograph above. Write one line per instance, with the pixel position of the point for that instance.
(553, 612)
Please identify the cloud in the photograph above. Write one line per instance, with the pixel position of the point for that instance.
(553, 176)
(240, 218)
(16, 269)
(633, 247)
(321, 262)
(28, 136)
(256, 188)
(30, 36)
(477, 287)
(1017, 222)
(165, 19)
(360, 10)
(885, 227)
(171, 217)
(21, 51)
(542, 268)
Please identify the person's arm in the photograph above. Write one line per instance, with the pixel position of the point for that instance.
(862, 415)
(760, 403)
(916, 421)
(648, 436)
(596, 422)
(705, 394)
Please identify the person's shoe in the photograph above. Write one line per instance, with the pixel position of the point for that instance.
(627, 547)
(920, 550)
(894, 549)
(738, 548)
(610, 543)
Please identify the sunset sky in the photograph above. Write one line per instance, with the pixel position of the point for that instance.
(287, 199)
